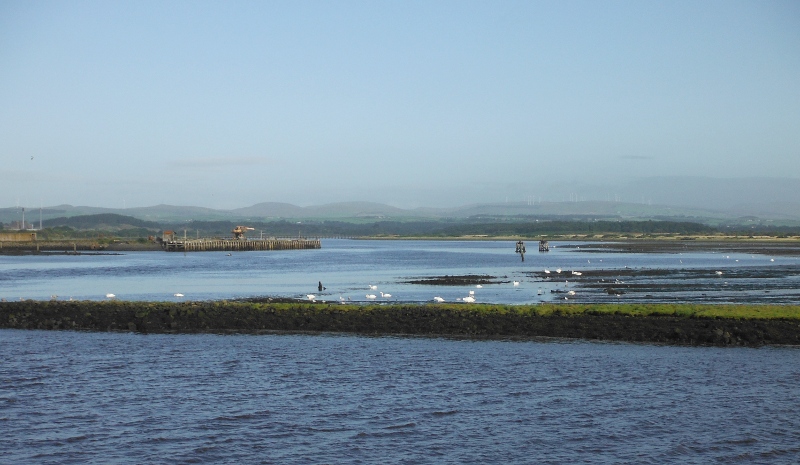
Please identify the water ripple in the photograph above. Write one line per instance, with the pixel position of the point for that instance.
(104, 398)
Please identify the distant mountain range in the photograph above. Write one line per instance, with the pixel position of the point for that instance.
(685, 199)
(367, 212)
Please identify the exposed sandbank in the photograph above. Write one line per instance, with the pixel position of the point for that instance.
(671, 324)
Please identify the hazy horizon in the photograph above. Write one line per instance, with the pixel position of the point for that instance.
(226, 105)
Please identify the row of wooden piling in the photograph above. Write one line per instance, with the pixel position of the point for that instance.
(209, 245)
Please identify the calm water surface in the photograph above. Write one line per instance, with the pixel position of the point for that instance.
(68, 397)
(348, 267)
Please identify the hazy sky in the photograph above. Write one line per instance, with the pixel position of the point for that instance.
(227, 104)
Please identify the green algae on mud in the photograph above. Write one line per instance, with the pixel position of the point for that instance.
(746, 325)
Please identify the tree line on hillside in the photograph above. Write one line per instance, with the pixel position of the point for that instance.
(446, 229)
(108, 224)
(101, 221)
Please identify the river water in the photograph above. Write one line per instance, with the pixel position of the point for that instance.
(348, 267)
(71, 397)
(104, 398)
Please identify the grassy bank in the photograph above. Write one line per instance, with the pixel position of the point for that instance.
(662, 323)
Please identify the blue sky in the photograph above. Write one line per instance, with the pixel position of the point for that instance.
(227, 104)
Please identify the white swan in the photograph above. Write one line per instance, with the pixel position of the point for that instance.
(469, 299)
(385, 296)
(371, 296)
(438, 299)
(373, 288)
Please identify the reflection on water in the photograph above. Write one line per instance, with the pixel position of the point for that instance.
(348, 267)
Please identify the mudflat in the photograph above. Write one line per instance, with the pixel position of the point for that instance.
(681, 324)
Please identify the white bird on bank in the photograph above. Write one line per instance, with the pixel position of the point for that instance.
(371, 296)
(558, 270)
(311, 297)
(438, 299)
(110, 296)
(546, 271)
(385, 296)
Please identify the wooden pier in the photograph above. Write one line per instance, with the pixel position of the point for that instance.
(209, 245)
